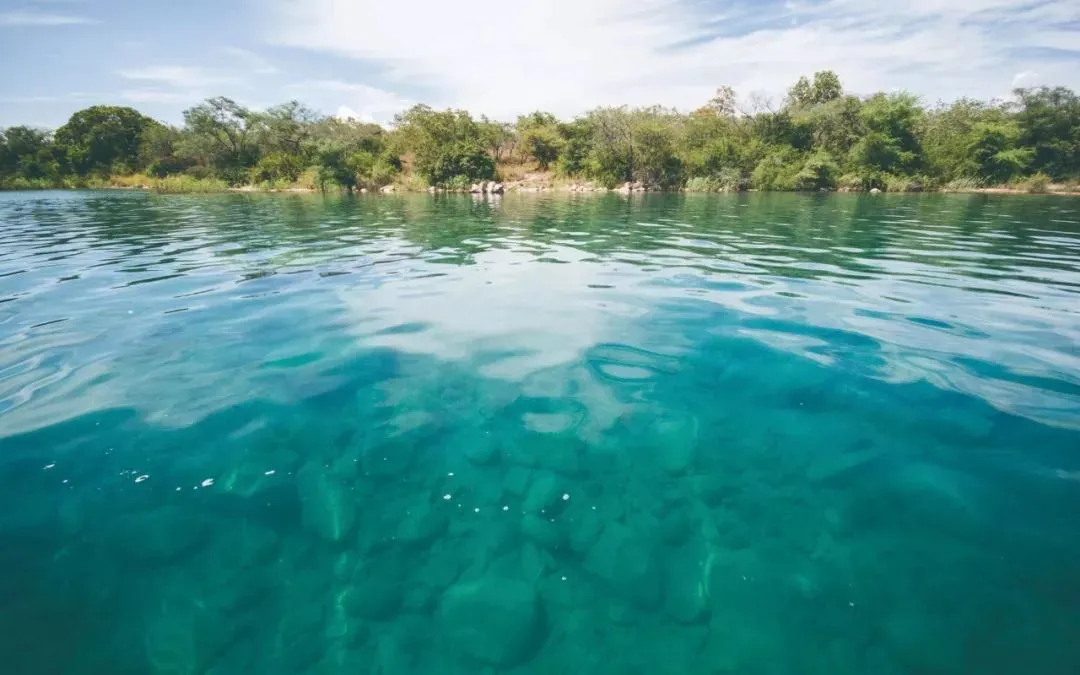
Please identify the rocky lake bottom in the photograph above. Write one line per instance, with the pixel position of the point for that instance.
(664, 434)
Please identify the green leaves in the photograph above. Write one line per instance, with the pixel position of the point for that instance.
(444, 144)
(819, 138)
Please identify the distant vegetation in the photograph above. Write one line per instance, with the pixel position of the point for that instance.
(819, 138)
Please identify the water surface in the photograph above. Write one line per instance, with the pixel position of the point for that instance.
(665, 434)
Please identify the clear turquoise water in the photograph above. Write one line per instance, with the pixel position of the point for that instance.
(671, 434)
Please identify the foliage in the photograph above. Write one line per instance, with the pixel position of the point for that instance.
(1049, 121)
(819, 172)
(727, 180)
(776, 171)
(1036, 184)
(104, 139)
(825, 87)
(540, 138)
(818, 138)
(444, 144)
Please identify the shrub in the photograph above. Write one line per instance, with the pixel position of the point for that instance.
(727, 180)
(184, 184)
(458, 184)
(818, 173)
(897, 183)
(963, 185)
(776, 172)
(1037, 184)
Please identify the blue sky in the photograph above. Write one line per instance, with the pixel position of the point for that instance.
(371, 58)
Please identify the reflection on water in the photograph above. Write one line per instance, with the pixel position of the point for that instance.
(716, 434)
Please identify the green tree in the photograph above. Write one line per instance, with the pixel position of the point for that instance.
(104, 139)
(540, 138)
(160, 151)
(497, 137)
(222, 130)
(825, 87)
(1049, 121)
(891, 143)
(444, 145)
(30, 153)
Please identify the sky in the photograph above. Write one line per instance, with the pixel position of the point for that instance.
(369, 59)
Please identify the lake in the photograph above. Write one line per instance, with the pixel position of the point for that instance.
(716, 434)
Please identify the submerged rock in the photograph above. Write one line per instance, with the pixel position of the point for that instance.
(686, 597)
(541, 531)
(481, 451)
(626, 563)
(159, 536)
(677, 437)
(494, 621)
(516, 481)
(374, 598)
(675, 527)
(422, 524)
(327, 504)
(544, 494)
(584, 531)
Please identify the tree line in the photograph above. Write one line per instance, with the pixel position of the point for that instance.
(818, 138)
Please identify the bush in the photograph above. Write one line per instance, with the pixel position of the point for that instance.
(184, 184)
(776, 172)
(963, 185)
(897, 183)
(727, 180)
(855, 182)
(818, 173)
(458, 184)
(1037, 184)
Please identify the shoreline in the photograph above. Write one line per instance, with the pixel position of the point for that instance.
(574, 190)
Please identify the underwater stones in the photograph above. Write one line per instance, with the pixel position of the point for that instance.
(562, 457)
(532, 562)
(626, 563)
(543, 532)
(544, 494)
(419, 598)
(712, 489)
(328, 506)
(494, 621)
(675, 528)
(388, 460)
(686, 595)
(422, 523)
(678, 435)
(374, 598)
(481, 452)
(516, 481)
(159, 536)
(186, 637)
(440, 569)
(621, 614)
(583, 530)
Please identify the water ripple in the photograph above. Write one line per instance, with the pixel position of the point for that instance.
(972, 294)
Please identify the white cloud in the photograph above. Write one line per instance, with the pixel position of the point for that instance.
(181, 77)
(356, 101)
(157, 96)
(25, 18)
(251, 61)
(571, 55)
(1027, 78)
